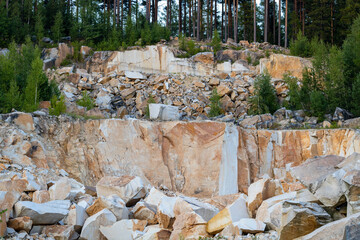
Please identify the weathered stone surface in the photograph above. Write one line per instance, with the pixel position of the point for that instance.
(189, 225)
(113, 203)
(7, 201)
(165, 212)
(125, 228)
(258, 192)
(164, 112)
(134, 75)
(59, 232)
(230, 214)
(128, 188)
(293, 219)
(206, 57)
(77, 216)
(250, 225)
(334, 230)
(91, 228)
(277, 65)
(118, 147)
(45, 213)
(66, 188)
(20, 223)
(143, 211)
(41, 196)
(23, 120)
(155, 233)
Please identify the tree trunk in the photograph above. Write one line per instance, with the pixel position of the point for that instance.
(215, 16)
(279, 25)
(274, 22)
(198, 20)
(230, 21)
(226, 25)
(234, 16)
(190, 16)
(193, 22)
(185, 20)
(167, 13)
(286, 22)
(303, 17)
(130, 8)
(156, 11)
(122, 15)
(332, 22)
(254, 20)
(148, 3)
(211, 18)
(237, 21)
(180, 17)
(266, 20)
(222, 20)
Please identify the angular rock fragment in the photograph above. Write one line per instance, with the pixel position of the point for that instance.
(91, 228)
(230, 214)
(128, 188)
(125, 228)
(20, 223)
(164, 112)
(44, 213)
(113, 203)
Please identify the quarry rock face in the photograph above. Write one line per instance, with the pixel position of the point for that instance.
(195, 158)
(278, 64)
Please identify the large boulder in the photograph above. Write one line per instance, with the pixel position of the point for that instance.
(250, 225)
(336, 230)
(189, 225)
(77, 216)
(113, 203)
(292, 219)
(44, 213)
(278, 64)
(91, 228)
(128, 188)
(66, 188)
(232, 213)
(258, 192)
(164, 112)
(20, 223)
(61, 232)
(125, 228)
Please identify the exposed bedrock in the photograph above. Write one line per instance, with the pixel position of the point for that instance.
(195, 158)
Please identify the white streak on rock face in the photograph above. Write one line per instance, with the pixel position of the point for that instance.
(229, 166)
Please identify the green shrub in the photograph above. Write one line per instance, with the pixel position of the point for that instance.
(58, 106)
(215, 108)
(301, 46)
(1, 213)
(318, 104)
(294, 93)
(216, 42)
(264, 99)
(249, 59)
(147, 110)
(86, 101)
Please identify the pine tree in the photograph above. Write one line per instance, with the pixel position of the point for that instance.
(34, 80)
(57, 28)
(39, 28)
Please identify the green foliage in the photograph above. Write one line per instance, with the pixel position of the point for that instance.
(23, 83)
(216, 42)
(57, 28)
(215, 108)
(86, 101)
(35, 78)
(264, 99)
(39, 28)
(318, 104)
(294, 94)
(1, 214)
(149, 101)
(249, 59)
(58, 106)
(355, 104)
(301, 46)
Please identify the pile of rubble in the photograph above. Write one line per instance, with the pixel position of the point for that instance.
(48, 204)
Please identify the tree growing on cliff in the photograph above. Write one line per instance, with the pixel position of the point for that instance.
(215, 108)
(264, 99)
